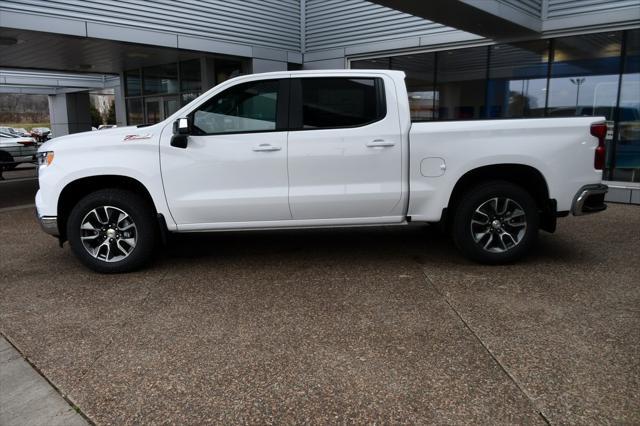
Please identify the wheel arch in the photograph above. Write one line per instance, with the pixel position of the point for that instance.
(528, 177)
(75, 190)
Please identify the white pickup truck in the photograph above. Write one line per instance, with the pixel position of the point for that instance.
(314, 149)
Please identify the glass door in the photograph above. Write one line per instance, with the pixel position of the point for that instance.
(170, 104)
(157, 108)
(153, 110)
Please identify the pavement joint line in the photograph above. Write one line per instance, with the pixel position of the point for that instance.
(486, 348)
(20, 207)
(46, 379)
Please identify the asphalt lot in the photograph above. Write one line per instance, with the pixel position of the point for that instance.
(379, 324)
(18, 187)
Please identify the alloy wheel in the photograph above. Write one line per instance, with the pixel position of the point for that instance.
(498, 224)
(108, 233)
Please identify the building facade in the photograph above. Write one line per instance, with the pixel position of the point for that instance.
(464, 59)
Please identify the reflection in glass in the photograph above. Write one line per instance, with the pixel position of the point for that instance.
(135, 114)
(518, 79)
(627, 149)
(247, 107)
(169, 105)
(584, 75)
(340, 102)
(160, 79)
(372, 64)
(153, 111)
(461, 76)
(188, 97)
(420, 70)
(226, 69)
(190, 75)
(132, 83)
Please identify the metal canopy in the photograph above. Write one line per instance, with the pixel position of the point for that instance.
(489, 18)
(34, 82)
(48, 51)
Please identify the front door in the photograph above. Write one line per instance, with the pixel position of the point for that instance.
(345, 149)
(234, 169)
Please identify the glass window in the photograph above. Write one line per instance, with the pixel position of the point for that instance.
(341, 102)
(170, 106)
(584, 75)
(461, 76)
(247, 107)
(160, 79)
(132, 83)
(227, 69)
(627, 149)
(135, 113)
(153, 109)
(190, 75)
(518, 79)
(420, 71)
(188, 97)
(372, 64)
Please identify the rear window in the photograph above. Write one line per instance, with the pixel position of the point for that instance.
(341, 102)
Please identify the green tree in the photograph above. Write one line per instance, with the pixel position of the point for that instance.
(111, 113)
(96, 118)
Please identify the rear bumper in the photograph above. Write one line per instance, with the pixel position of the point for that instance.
(589, 199)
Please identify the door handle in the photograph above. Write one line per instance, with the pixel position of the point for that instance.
(380, 143)
(266, 147)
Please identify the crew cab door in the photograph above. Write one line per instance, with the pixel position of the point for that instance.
(234, 167)
(345, 151)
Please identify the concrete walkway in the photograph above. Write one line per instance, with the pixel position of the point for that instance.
(26, 398)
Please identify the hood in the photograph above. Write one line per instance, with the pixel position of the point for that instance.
(107, 136)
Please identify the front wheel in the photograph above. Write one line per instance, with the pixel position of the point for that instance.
(495, 222)
(112, 231)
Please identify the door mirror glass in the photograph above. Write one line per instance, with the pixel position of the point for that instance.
(181, 126)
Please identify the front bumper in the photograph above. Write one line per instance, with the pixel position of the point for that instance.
(589, 199)
(49, 224)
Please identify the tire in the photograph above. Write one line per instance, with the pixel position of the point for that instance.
(495, 222)
(124, 226)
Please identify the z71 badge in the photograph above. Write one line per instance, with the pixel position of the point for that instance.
(137, 137)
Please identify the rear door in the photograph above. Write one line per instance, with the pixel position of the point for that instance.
(345, 151)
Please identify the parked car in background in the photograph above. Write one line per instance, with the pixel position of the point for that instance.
(7, 130)
(313, 149)
(21, 131)
(41, 134)
(15, 150)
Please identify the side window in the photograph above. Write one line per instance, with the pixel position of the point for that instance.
(341, 102)
(246, 107)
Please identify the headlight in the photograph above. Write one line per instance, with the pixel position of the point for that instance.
(44, 158)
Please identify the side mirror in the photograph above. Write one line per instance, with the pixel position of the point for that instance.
(181, 131)
(181, 126)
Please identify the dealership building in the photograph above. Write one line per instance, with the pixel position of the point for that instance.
(464, 59)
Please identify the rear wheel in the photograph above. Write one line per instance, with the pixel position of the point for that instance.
(112, 231)
(495, 222)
